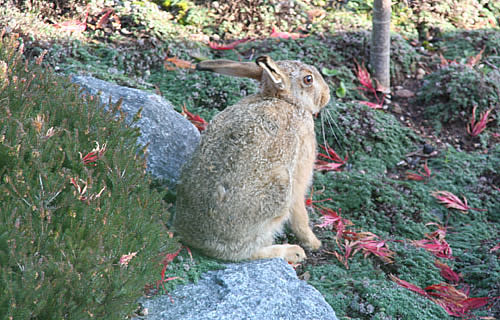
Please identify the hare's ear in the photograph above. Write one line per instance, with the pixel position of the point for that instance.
(231, 68)
(278, 78)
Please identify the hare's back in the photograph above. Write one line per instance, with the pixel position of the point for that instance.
(241, 173)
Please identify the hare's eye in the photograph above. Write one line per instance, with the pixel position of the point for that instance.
(308, 79)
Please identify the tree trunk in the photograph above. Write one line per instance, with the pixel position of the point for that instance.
(381, 44)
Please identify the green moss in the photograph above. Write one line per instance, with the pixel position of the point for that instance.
(450, 93)
(365, 293)
(371, 137)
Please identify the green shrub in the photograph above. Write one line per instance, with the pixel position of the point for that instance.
(463, 44)
(450, 93)
(65, 224)
(429, 16)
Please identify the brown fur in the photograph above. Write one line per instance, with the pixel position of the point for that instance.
(253, 166)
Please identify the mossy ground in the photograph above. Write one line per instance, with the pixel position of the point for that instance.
(382, 145)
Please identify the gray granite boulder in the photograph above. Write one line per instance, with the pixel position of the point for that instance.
(172, 138)
(260, 290)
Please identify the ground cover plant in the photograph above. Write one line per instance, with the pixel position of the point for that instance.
(405, 198)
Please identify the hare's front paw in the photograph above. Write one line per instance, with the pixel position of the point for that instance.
(294, 254)
(312, 242)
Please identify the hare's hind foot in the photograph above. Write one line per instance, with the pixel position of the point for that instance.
(311, 242)
(289, 252)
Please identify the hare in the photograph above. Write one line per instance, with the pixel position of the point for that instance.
(252, 169)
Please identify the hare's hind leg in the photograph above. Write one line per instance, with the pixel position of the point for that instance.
(291, 253)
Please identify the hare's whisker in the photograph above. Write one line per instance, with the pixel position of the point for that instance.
(330, 120)
(323, 128)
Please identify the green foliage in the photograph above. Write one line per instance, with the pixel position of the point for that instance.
(50, 8)
(450, 93)
(65, 224)
(205, 93)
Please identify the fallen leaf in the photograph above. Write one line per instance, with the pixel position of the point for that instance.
(495, 248)
(178, 63)
(452, 201)
(229, 46)
(103, 20)
(421, 175)
(125, 259)
(474, 60)
(455, 302)
(475, 128)
(371, 244)
(71, 26)
(408, 285)
(371, 104)
(336, 161)
(195, 119)
(447, 273)
(286, 35)
(435, 243)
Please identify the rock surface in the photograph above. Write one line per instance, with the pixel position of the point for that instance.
(261, 289)
(172, 138)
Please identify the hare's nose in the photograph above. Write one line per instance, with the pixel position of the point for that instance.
(325, 97)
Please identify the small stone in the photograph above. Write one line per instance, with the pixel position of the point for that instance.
(401, 163)
(397, 108)
(420, 73)
(305, 276)
(428, 149)
(404, 93)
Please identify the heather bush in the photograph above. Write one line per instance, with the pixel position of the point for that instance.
(74, 198)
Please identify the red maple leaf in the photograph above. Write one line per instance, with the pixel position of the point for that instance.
(421, 175)
(435, 243)
(475, 128)
(452, 201)
(447, 273)
(495, 248)
(370, 243)
(331, 155)
(371, 104)
(229, 46)
(177, 63)
(367, 85)
(195, 119)
(409, 286)
(286, 35)
(455, 302)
